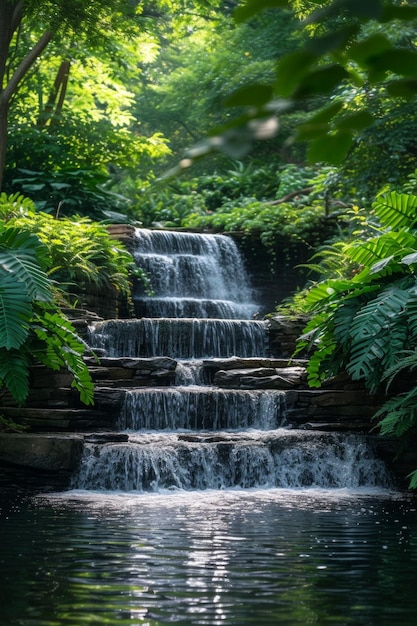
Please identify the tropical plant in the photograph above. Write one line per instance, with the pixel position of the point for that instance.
(351, 70)
(81, 251)
(297, 219)
(32, 327)
(364, 322)
(69, 192)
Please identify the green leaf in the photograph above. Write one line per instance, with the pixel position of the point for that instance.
(402, 62)
(330, 148)
(343, 317)
(376, 249)
(366, 49)
(24, 267)
(381, 265)
(409, 259)
(413, 480)
(320, 81)
(63, 348)
(290, 69)
(378, 334)
(250, 95)
(396, 210)
(402, 88)
(14, 373)
(355, 121)
(317, 125)
(330, 42)
(253, 7)
(15, 313)
(23, 240)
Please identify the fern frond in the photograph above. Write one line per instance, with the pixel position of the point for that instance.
(399, 414)
(412, 315)
(316, 373)
(396, 210)
(413, 480)
(14, 373)
(372, 330)
(62, 348)
(15, 312)
(326, 291)
(25, 268)
(343, 317)
(379, 249)
(407, 361)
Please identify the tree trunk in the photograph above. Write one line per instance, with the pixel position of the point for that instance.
(3, 136)
(53, 107)
(8, 90)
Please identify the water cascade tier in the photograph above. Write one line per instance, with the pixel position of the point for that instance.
(191, 408)
(192, 275)
(184, 338)
(279, 458)
(193, 434)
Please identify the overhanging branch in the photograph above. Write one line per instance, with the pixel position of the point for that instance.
(21, 71)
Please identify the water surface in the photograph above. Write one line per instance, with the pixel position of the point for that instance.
(250, 557)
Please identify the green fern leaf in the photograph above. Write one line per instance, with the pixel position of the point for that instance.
(399, 414)
(343, 317)
(15, 313)
(63, 348)
(14, 373)
(25, 268)
(24, 241)
(396, 210)
(371, 331)
(379, 249)
(407, 361)
(326, 291)
(316, 371)
(413, 480)
(411, 312)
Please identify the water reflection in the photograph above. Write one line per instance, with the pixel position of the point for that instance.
(246, 558)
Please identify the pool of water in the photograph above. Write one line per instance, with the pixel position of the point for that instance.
(233, 557)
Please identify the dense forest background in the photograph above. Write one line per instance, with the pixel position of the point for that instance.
(290, 121)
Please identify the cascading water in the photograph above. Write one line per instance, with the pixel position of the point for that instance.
(192, 276)
(183, 338)
(194, 435)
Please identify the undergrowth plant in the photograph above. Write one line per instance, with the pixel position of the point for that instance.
(32, 327)
(364, 317)
(81, 251)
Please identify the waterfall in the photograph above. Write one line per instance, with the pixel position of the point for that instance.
(192, 275)
(283, 458)
(202, 408)
(194, 435)
(182, 338)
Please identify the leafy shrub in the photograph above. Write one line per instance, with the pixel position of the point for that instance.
(81, 251)
(281, 228)
(32, 328)
(68, 192)
(364, 319)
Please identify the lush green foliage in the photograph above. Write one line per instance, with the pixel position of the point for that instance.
(343, 88)
(32, 328)
(364, 320)
(80, 251)
(283, 208)
(68, 192)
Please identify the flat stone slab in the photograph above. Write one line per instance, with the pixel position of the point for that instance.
(50, 452)
(239, 363)
(262, 378)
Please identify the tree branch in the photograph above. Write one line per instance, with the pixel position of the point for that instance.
(299, 192)
(25, 65)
